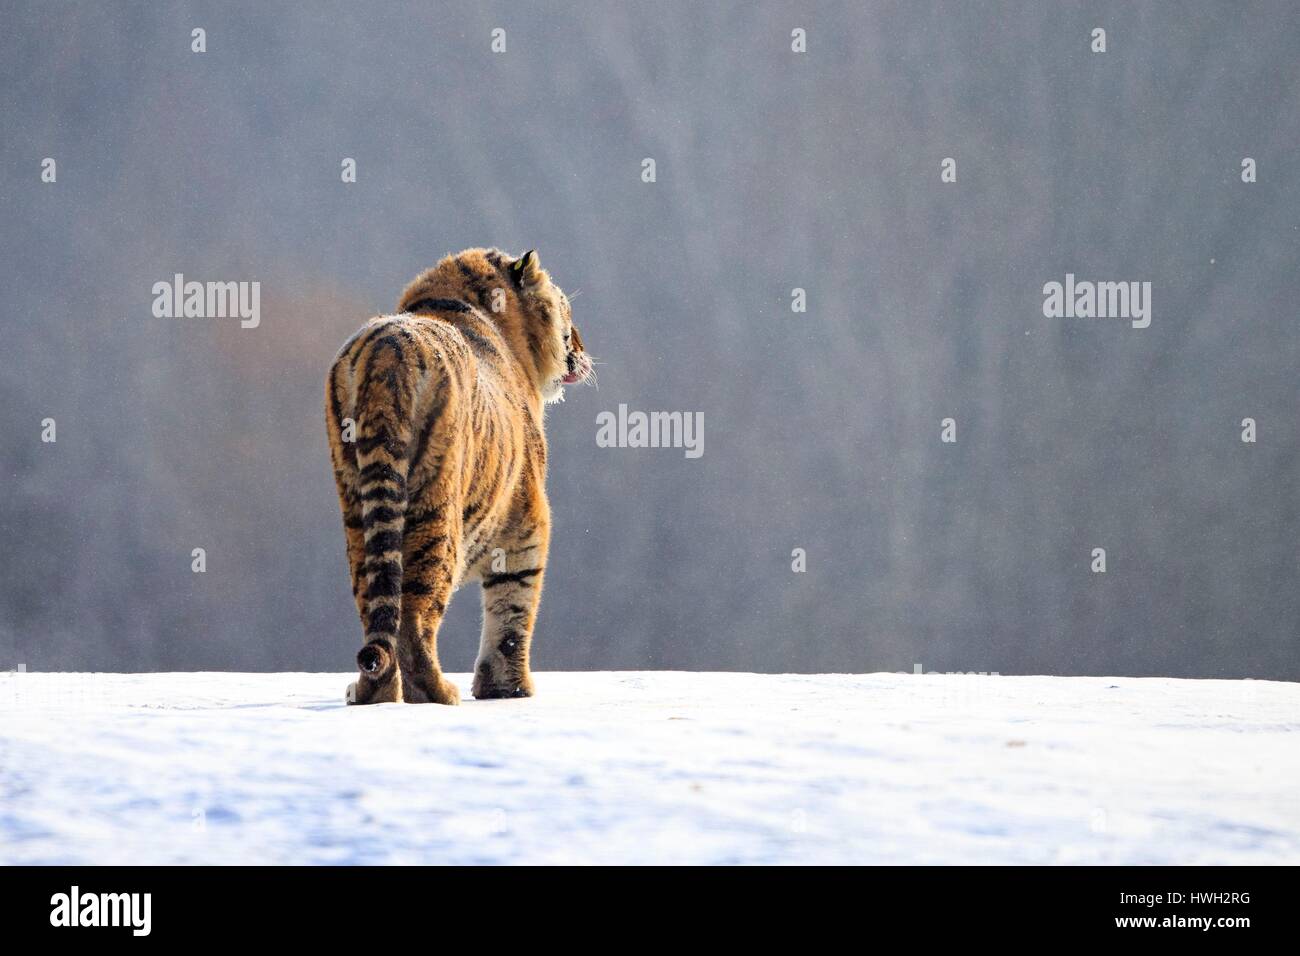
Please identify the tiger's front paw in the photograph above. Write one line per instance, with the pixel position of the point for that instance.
(488, 686)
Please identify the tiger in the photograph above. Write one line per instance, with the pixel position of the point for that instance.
(435, 421)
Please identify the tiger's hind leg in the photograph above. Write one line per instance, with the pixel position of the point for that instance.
(429, 569)
(385, 388)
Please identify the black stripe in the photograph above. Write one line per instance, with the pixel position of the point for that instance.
(383, 618)
(434, 416)
(439, 305)
(389, 567)
(387, 581)
(420, 518)
(384, 541)
(517, 577)
(477, 553)
(393, 381)
(423, 551)
(477, 339)
(503, 608)
(335, 406)
(377, 330)
(393, 446)
(379, 471)
(381, 493)
(476, 283)
(419, 353)
(392, 342)
(381, 513)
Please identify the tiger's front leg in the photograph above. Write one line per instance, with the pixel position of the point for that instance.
(510, 600)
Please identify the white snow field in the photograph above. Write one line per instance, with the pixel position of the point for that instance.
(651, 767)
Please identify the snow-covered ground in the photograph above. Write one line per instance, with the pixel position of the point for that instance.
(651, 767)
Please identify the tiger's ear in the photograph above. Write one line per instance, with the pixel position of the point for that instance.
(527, 269)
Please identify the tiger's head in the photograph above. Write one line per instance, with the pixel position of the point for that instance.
(530, 311)
(547, 317)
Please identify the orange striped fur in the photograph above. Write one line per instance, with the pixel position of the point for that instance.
(435, 421)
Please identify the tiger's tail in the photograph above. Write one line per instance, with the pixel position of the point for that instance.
(383, 436)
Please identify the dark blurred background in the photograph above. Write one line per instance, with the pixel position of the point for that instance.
(775, 170)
